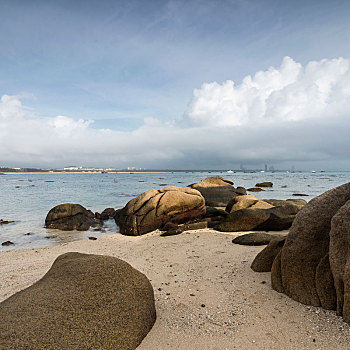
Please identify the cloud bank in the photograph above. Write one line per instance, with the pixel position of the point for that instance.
(290, 115)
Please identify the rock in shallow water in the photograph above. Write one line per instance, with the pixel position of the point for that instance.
(83, 302)
(68, 217)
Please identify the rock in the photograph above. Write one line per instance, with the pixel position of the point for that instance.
(246, 201)
(278, 202)
(339, 256)
(214, 212)
(264, 184)
(325, 284)
(5, 222)
(69, 217)
(308, 243)
(213, 181)
(106, 214)
(273, 219)
(217, 191)
(256, 238)
(83, 302)
(153, 209)
(300, 195)
(276, 277)
(255, 189)
(264, 260)
(7, 243)
(185, 227)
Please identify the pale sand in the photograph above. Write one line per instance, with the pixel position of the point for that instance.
(200, 267)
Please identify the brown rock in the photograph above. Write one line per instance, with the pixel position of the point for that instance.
(247, 201)
(255, 189)
(153, 209)
(276, 277)
(325, 284)
(185, 227)
(307, 243)
(264, 184)
(69, 217)
(256, 238)
(264, 260)
(213, 181)
(339, 257)
(278, 202)
(83, 302)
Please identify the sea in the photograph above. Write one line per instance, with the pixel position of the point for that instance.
(26, 198)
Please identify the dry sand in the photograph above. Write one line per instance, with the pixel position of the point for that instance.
(207, 297)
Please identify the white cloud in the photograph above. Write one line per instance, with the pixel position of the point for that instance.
(288, 93)
(286, 115)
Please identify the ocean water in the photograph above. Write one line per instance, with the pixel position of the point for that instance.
(27, 198)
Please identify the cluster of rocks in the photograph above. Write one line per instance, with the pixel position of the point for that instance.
(83, 302)
(312, 264)
(213, 202)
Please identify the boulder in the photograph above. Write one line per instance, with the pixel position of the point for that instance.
(212, 181)
(272, 219)
(255, 189)
(339, 257)
(151, 210)
(264, 184)
(185, 227)
(83, 302)
(246, 201)
(69, 217)
(279, 202)
(106, 214)
(217, 191)
(308, 243)
(211, 212)
(256, 238)
(264, 260)
(5, 222)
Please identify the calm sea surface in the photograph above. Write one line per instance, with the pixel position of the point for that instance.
(27, 198)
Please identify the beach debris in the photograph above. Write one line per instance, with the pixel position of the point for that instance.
(7, 243)
(264, 184)
(153, 209)
(68, 217)
(264, 260)
(313, 266)
(257, 238)
(108, 304)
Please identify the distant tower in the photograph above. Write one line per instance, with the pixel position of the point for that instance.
(265, 167)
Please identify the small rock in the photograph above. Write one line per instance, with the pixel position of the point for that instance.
(300, 194)
(7, 243)
(264, 184)
(92, 238)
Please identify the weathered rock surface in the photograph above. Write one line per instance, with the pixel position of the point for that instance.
(151, 210)
(246, 201)
(69, 217)
(217, 191)
(308, 242)
(212, 181)
(264, 260)
(106, 214)
(256, 238)
(273, 219)
(279, 202)
(339, 257)
(83, 302)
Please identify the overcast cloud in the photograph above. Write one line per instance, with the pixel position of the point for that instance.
(287, 115)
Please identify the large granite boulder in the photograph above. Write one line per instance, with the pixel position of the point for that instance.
(247, 201)
(264, 260)
(151, 210)
(83, 302)
(339, 257)
(217, 191)
(308, 243)
(272, 219)
(69, 217)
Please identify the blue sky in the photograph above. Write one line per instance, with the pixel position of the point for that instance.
(121, 62)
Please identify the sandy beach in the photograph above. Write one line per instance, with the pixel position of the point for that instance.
(207, 297)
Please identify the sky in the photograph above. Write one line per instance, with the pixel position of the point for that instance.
(193, 84)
